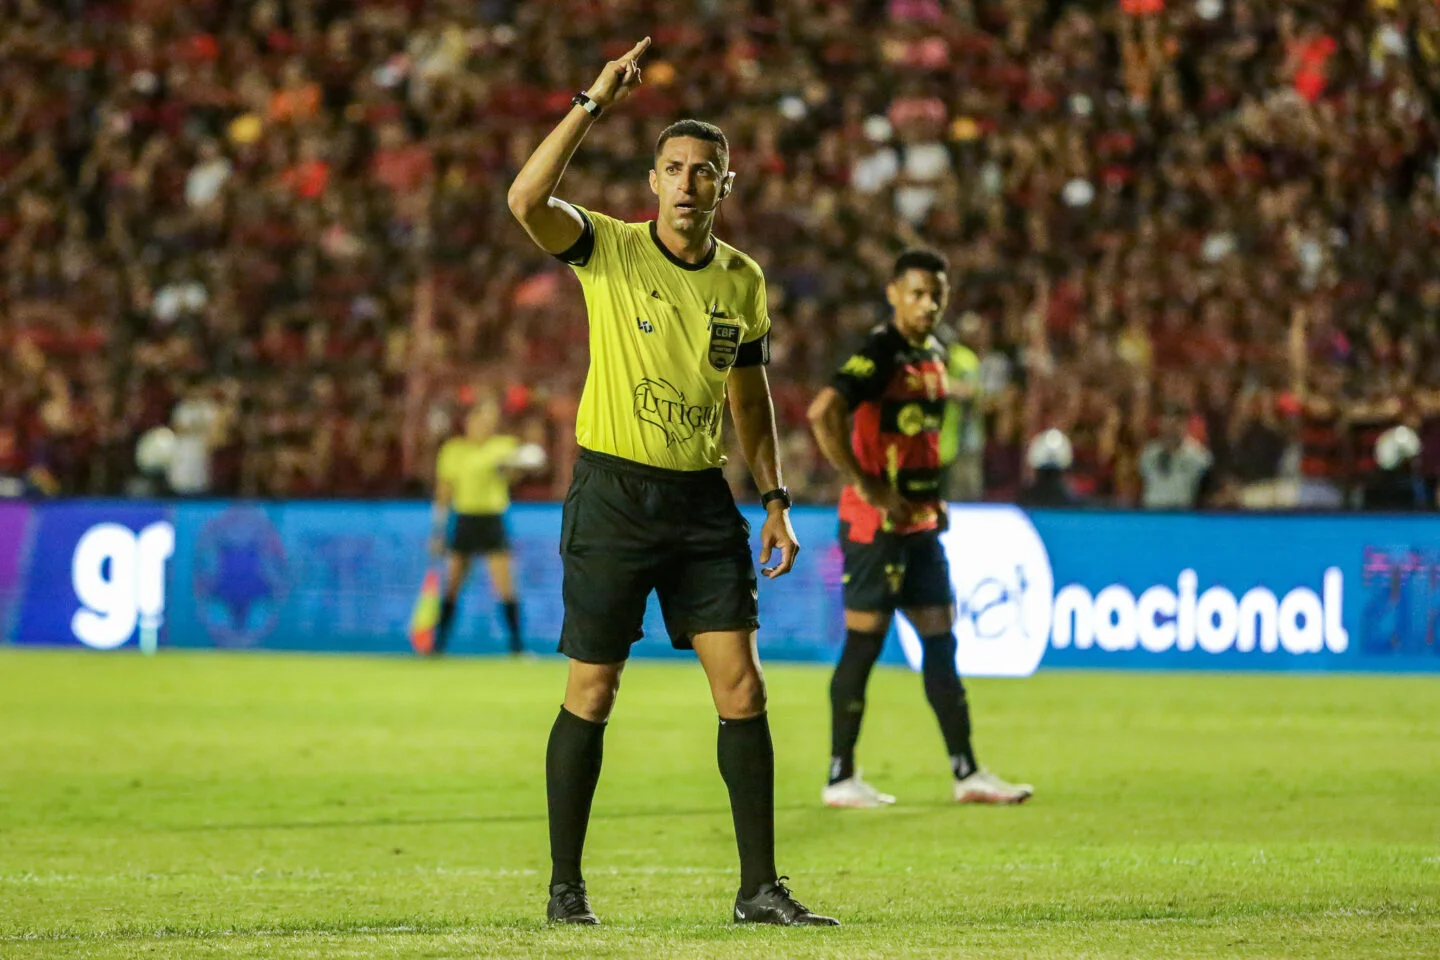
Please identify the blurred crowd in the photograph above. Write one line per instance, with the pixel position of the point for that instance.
(1193, 239)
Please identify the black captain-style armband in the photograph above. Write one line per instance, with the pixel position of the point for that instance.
(578, 253)
(756, 353)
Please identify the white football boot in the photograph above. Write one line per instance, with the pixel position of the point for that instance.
(854, 793)
(982, 786)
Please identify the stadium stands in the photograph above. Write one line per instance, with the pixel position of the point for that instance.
(287, 219)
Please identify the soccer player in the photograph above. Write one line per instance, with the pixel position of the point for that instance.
(678, 319)
(472, 477)
(891, 518)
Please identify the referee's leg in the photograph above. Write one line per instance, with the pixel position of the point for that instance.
(745, 750)
(572, 763)
(457, 570)
(606, 581)
(747, 762)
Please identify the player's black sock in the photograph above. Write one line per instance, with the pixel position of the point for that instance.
(847, 699)
(747, 763)
(447, 618)
(572, 768)
(947, 698)
(510, 609)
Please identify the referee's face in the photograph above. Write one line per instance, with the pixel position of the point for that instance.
(689, 178)
(918, 298)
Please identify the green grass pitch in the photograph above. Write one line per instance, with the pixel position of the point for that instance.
(250, 805)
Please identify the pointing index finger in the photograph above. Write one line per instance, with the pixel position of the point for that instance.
(634, 52)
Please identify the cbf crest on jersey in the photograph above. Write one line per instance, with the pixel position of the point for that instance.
(724, 339)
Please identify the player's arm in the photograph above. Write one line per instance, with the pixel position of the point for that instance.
(754, 414)
(552, 223)
(829, 416)
(830, 421)
(859, 379)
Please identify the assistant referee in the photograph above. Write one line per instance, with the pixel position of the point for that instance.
(472, 493)
(676, 317)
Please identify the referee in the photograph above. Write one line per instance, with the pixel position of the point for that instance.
(472, 479)
(676, 317)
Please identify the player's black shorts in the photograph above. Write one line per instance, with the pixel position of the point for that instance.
(628, 529)
(896, 571)
(478, 533)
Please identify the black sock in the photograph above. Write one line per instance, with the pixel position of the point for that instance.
(447, 618)
(511, 611)
(747, 763)
(572, 769)
(847, 699)
(947, 698)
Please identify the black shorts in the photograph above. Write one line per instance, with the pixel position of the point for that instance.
(478, 533)
(896, 571)
(628, 529)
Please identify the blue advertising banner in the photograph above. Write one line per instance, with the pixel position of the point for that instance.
(1191, 591)
(344, 576)
(96, 575)
(14, 522)
(1048, 589)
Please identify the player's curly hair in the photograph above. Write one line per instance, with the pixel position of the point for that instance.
(918, 258)
(699, 130)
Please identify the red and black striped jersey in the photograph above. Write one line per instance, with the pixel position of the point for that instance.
(896, 391)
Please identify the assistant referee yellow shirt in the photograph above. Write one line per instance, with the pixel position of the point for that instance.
(664, 335)
(474, 471)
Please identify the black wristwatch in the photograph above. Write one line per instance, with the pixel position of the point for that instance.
(779, 493)
(582, 99)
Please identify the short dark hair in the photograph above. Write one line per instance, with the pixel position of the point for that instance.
(918, 258)
(699, 130)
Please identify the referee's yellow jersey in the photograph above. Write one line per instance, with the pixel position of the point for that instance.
(477, 483)
(664, 335)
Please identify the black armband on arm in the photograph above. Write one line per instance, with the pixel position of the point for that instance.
(578, 253)
(756, 353)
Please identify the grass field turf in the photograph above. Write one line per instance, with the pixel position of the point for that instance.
(198, 805)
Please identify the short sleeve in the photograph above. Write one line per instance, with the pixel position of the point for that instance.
(863, 376)
(502, 448)
(596, 245)
(755, 351)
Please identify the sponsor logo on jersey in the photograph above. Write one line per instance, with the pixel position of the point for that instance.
(859, 367)
(661, 405)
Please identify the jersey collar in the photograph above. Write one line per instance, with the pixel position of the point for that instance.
(931, 343)
(704, 261)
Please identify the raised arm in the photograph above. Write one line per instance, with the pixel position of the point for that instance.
(553, 224)
(754, 414)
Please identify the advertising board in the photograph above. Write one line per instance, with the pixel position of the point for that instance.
(1033, 591)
